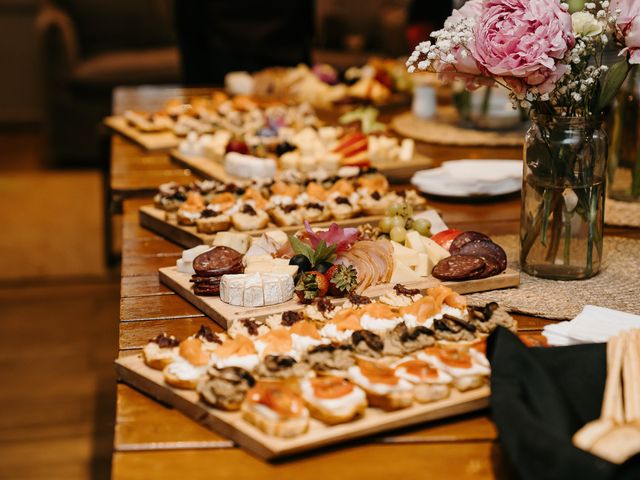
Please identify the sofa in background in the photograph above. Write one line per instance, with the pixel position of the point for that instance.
(87, 48)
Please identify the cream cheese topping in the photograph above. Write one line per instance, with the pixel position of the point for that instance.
(339, 406)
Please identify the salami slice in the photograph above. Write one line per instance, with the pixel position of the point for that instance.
(491, 268)
(217, 261)
(458, 267)
(483, 249)
(205, 290)
(463, 239)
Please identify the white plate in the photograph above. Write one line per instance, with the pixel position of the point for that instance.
(471, 178)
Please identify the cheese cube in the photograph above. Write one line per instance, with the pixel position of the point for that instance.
(238, 241)
(185, 267)
(414, 241)
(277, 236)
(435, 251)
(248, 260)
(191, 254)
(403, 274)
(424, 265)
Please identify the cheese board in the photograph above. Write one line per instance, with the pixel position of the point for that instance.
(215, 170)
(155, 220)
(225, 314)
(156, 141)
(133, 371)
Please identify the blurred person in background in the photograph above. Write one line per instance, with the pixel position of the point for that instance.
(216, 37)
(426, 16)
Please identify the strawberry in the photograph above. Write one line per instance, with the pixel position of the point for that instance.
(342, 279)
(312, 285)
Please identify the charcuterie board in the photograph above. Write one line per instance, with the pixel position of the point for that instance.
(212, 169)
(225, 314)
(155, 220)
(134, 372)
(159, 141)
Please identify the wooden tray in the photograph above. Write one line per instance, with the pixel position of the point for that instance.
(224, 314)
(208, 168)
(133, 371)
(151, 141)
(154, 219)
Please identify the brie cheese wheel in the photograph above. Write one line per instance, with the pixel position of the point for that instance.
(247, 166)
(256, 289)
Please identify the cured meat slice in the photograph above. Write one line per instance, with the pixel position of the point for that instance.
(217, 261)
(463, 239)
(458, 267)
(485, 248)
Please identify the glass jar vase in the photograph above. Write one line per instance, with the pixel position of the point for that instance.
(563, 191)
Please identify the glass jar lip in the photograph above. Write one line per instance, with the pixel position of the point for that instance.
(593, 119)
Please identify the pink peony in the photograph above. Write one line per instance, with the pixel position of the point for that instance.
(471, 9)
(523, 41)
(628, 27)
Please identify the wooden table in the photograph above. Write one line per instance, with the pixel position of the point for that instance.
(153, 441)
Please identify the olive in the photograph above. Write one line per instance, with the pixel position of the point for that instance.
(302, 262)
(323, 267)
(283, 148)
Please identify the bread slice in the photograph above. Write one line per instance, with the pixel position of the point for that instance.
(219, 223)
(245, 222)
(283, 219)
(331, 418)
(156, 357)
(178, 382)
(285, 428)
(468, 382)
(390, 401)
(426, 393)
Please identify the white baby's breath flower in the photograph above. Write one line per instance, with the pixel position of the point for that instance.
(423, 65)
(411, 69)
(585, 24)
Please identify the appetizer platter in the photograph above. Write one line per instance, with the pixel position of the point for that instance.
(306, 378)
(240, 276)
(359, 141)
(194, 214)
(216, 114)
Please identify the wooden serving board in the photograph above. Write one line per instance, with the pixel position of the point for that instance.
(155, 220)
(224, 314)
(209, 168)
(133, 371)
(151, 141)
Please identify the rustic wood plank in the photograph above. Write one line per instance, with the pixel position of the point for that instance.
(142, 286)
(156, 307)
(149, 246)
(144, 424)
(464, 460)
(147, 265)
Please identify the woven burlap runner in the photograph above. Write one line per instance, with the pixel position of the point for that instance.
(444, 130)
(617, 286)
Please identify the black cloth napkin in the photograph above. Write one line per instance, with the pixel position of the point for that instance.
(539, 398)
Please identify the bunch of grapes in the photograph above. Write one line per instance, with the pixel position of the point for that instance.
(397, 221)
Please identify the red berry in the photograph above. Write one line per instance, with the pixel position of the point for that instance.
(312, 285)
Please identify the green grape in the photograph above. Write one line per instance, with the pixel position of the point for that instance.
(422, 226)
(398, 221)
(386, 224)
(406, 210)
(398, 234)
(394, 209)
(409, 224)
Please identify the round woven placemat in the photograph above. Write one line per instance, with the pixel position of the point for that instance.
(617, 286)
(444, 130)
(619, 213)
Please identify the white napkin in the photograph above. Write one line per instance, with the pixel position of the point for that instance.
(592, 325)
